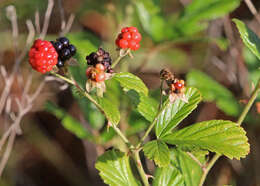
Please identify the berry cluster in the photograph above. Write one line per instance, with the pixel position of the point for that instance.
(100, 57)
(175, 85)
(129, 38)
(96, 73)
(42, 56)
(64, 49)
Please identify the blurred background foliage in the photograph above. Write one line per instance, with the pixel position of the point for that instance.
(195, 39)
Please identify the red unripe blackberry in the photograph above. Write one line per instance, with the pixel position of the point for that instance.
(126, 35)
(132, 29)
(123, 43)
(125, 29)
(100, 77)
(100, 68)
(135, 47)
(42, 56)
(179, 84)
(136, 36)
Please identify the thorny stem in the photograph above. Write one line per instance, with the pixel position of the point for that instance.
(117, 130)
(119, 58)
(239, 122)
(140, 168)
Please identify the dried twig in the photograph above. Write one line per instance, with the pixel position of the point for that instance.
(68, 25)
(11, 15)
(47, 19)
(252, 9)
(37, 22)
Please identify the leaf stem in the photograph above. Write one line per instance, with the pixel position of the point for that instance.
(119, 58)
(140, 168)
(161, 96)
(239, 122)
(117, 130)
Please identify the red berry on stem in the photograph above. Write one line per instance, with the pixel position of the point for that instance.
(132, 29)
(100, 67)
(126, 35)
(179, 85)
(42, 56)
(136, 36)
(100, 77)
(123, 43)
(89, 72)
(136, 47)
(125, 29)
(132, 44)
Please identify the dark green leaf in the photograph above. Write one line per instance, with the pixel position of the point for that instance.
(115, 170)
(131, 82)
(172, 114)
(223, 137)
(250, 39)
(158, 151)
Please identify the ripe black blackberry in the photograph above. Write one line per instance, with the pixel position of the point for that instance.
(102, 57)
(64, 49)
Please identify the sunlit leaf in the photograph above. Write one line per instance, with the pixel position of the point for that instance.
(114, 168)
(250, 39)
(223, 137)
(158, 151)
(172, 114)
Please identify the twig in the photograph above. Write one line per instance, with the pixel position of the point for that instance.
(47, 19)
(68, 25)
(62, 15)
(11, 14)
(252, 9)
(37, 22)
(7, 152)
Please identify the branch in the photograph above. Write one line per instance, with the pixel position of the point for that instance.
(47, 19)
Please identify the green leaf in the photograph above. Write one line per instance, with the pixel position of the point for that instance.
(172, 114)
(115, 170)
(223, 137)
(110, 110)
(152, 21)
(211, 90)
(145, 105)
(191, 171)
(68, 121)
(182, 171)
(250, 39)
(131, 82)
(192, 17)
(168, 176)
(158, 151)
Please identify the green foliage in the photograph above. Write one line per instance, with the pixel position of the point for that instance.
(172, 114)
(115, 170)
(131, 82)
(250, 39)
(158, 151)
(223, 137)
(211, 90)
(69, 122)
(182, 171)
(110, 110)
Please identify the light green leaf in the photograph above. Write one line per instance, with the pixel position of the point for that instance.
(223, 137)
(250, 39)
(172, 114)
(115, 170)
(150, 18)
(158, 151)
(190, 169)
(131, 82)
(68, 121)
(110, 110)
(211, 90)
(182, 171)
(147, 107)
(202, 10)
